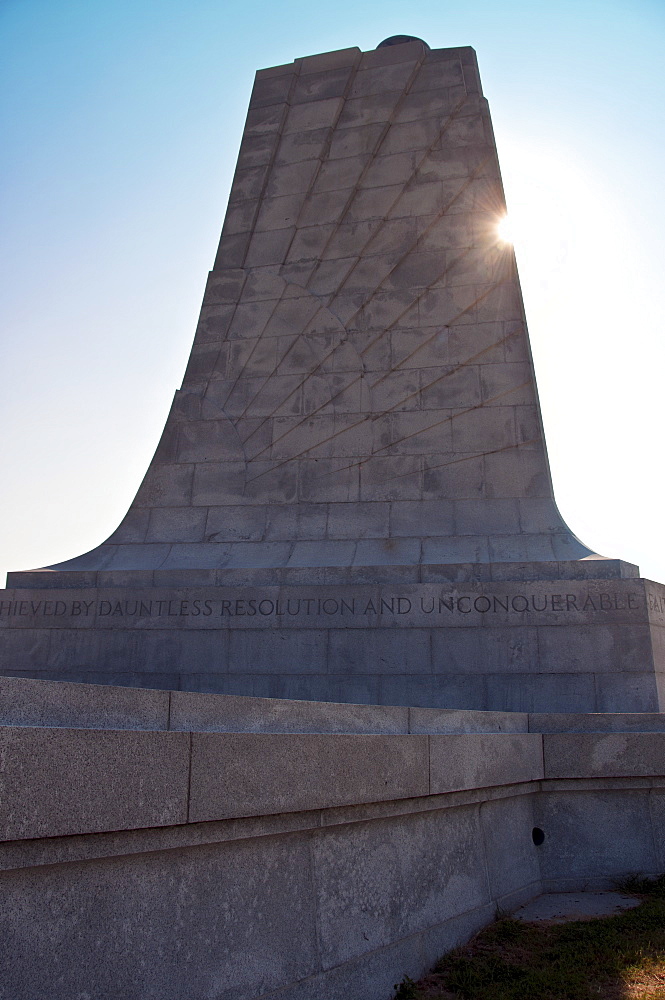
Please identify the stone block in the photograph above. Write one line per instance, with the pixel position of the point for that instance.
(445, 72)
(256, 150)
(324, 207)
(408, 517)
(327, 62)
(358, 520)
(329, 480)
(57, 703)
(309, 242)
(65, 781)
(480, 760)
(443, 104)
(434, 720)
(594, 834)
(269, 247)
(349, 240)
(249, 554)
(508, 383)
(270, 90)
(314, 114)
(605, 722)
(512, 859)
(521, 472)
(243, 774)
(474, 430)
(381, 79)
(336, 175)
(250, 685)
(292, 178)
(181, 524)
(394, 478)
(453, 476)
(23, 648)
(240, 217)
(379, 651)
(411, 52)
(234, 524)
(295, 521)
(71, 648)
(374, 203)
(279, 212)
(373, 975)
(219, 898)
(232, 250)
(387, 552)
(492, 516)
(354, 141)
(299, 146)
(633, 692)
(522, 548)
(254, 652)
(362, 689)
(435, 690)
(388, 880)
(414, 270)
(212, 713)
(485, 650)
(369, 110)
(468, 549)
(323, 553)
(167, 485)
(657, 816)
(541, 692)
(318, 86)
(577, 755)
(263, 121)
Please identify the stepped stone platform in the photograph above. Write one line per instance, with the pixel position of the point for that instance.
(152, 841)
(351, 499)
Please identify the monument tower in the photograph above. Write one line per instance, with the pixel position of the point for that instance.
(351, 499)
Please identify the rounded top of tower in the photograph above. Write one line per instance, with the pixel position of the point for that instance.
(400, 40)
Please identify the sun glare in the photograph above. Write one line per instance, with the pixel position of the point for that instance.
(505, 230)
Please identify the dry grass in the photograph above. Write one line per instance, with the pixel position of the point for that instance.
(616, 958)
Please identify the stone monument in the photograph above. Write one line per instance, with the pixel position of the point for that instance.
(351, 499)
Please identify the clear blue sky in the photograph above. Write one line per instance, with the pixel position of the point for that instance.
(121, 123)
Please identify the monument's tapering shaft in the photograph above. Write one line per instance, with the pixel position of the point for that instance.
(360, 390)
(351, 499)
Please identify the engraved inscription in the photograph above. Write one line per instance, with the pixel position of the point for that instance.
(430, 605)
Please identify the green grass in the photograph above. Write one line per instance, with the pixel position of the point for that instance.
(616, 958)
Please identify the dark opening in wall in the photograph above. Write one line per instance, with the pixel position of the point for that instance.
(537, 835)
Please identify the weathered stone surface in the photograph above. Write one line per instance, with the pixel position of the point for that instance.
(199, 712)
(351, 498)
(384, 850)
(405, 364)
(386, 895)
(598, 835)
(228, 772)
(481, 760)
(65, 781)
(616, 754)
(37, 703)
(524, 645)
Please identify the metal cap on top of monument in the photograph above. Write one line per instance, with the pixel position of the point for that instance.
(359, 411)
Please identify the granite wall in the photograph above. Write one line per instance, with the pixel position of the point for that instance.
(177, 845)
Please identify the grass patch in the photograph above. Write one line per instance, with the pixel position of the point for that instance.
(616, 958)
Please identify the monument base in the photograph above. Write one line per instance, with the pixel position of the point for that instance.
(585, 636)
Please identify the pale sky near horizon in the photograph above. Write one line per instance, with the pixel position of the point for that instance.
(121, 126)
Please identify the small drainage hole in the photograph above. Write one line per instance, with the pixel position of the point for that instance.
(537, 836)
